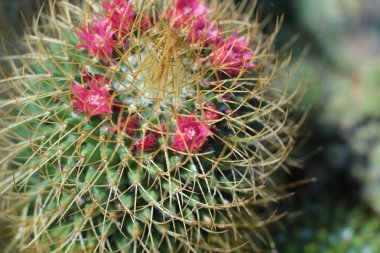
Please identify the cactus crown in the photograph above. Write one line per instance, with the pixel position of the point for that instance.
(142, 126)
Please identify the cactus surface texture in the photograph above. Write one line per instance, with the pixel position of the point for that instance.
(143, 126)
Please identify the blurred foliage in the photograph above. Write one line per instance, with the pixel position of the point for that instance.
(331, 230)
(342, 73)
(14, 15)
(345, 86)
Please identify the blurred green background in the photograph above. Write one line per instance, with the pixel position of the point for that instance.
(14, 14)
(340, 141)
(341, 70)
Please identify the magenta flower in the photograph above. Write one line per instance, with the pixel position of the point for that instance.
(160, 130)
(186, 11)
(192, 15)
(97, 38)
(148, 143)
(211, 112)
(228, 97)
(230, 113)
(195, 7)
(93, 101)
(120, 14)
(233, 56)
(190, 135)
(203, 30)
(128, 125)
(146, 22)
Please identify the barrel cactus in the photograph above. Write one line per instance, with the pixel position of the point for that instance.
(143, 126)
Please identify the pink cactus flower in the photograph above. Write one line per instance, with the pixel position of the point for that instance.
(195, 7)
(160, 130)
(146, 144)
(192, 15)
(190, 135)
(230, 113)
(211, 112)
(203, 30)
(128, 125)
(146, 22)
(228, 97)
(94, 101)
(120, 14)
(185, 11)
(232, 56)
(97, 38)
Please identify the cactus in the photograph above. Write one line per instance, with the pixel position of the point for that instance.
(143, 126)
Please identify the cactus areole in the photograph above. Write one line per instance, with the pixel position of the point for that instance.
(142, 126)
